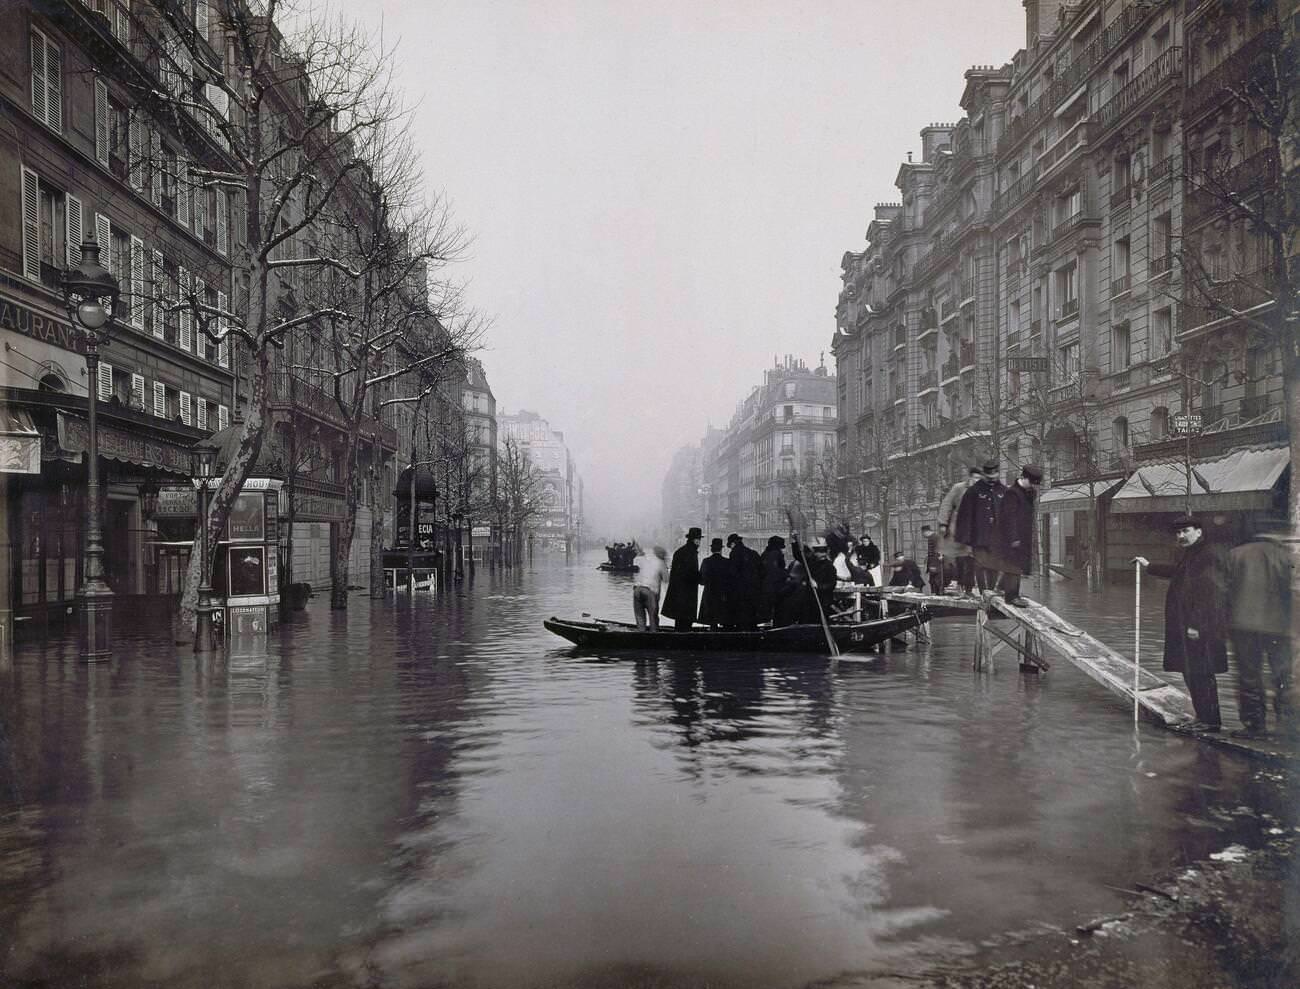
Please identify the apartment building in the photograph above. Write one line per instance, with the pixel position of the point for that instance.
(1082, 284)
(558, 526)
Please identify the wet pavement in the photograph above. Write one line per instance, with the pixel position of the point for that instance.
(441, 794)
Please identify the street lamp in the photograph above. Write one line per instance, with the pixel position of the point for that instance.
(149, 490)
(205, 461)
(90, 294)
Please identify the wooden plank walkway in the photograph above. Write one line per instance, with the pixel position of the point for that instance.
(1164, 701)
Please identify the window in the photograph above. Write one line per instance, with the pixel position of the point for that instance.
(1121, 349)
(1160, 39)
(789, 389)
(51, 230)
(1162, 335)
(1159, 423)
(1120, 263)
(787, 442)
(119, 138)
(1068, 361)
(1162, 244)
(1119, 78)
(1067, 291)
(47, 81)
(1119, 432)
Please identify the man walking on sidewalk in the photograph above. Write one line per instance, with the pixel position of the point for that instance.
(1260, 619)
(1196, 617)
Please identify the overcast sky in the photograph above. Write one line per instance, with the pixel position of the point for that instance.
(660, 193)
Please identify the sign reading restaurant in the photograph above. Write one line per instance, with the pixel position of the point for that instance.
(32, 324)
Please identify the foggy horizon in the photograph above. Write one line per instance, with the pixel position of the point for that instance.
(659, 199)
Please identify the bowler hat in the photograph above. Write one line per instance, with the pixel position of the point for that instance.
(989, 467)
(733, 538)
(694, 532)
(1033, 472)
(775, 542)
(1183, 521)
(715, 544)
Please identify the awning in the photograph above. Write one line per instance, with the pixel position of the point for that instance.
(20, 442)
(1239, 482)
(128, 448)
(1075, 497)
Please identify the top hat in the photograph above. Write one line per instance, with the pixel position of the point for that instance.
(1183, 521)
(694, 532)
(818, 543)
(1033, 472)
(775, 542)
(715, 544)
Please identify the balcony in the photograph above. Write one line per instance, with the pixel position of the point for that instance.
(1068, 309)
(1213, 193)
(927, 381)
(1013, 338)
(1162, 169)
(969, 354)
(1168, 65)
(1036, 328)
(967, 290)
(1162, 265)
(1213, 88)
(1237, 295)
(1015, 192)
(1210, 414)
(1076, 137)
(1119, 286)
(951, 368)
(900, 337)
(929, 319)
(288, 391)
(1254, 406)
(1119, 199)
(948, 310)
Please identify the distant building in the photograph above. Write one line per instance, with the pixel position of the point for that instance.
(559, 525)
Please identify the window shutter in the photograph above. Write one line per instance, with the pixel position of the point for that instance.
(137, 392)
(158, 309)
(199, 207)
(31, 226)
(137, 283)
(201, 411)
(186, 320)
(223, 330)
(183, 192)
(135, 150)
(104, 234)
(160, 400)
(223, 417)
(38, 74)
(201, 18)
(104, 384)
(54, 86)
(223, 222)
(101, 121)
(72, 229)
(187, 414)
(155, 167)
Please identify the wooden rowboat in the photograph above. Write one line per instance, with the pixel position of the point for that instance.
(604, 634)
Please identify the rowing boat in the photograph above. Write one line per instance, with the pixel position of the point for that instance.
(606, 634)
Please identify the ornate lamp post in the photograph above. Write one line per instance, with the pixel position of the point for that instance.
(90, 294)
(205, 461)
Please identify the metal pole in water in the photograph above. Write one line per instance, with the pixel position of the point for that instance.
(1137, 634)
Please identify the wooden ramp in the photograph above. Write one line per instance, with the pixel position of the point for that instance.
(1036, 626)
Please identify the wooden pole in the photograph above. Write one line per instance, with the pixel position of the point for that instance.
(1137, 634)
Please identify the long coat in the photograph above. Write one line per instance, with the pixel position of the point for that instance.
(1197, 598)
(1261, 587)
(683, 582)
(948, 545)
(976, 519)
(747, 585)
(1014, 543)
(773, 564)
(716, 576)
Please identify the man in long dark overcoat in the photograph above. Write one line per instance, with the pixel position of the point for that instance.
(1196, 617)
(1014, 542)
(716, 577)
(682, 596)
(773, 566)
(746, 582)
(1259, 610)
(977, 521)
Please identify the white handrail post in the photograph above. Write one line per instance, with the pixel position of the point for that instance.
(1137, 634)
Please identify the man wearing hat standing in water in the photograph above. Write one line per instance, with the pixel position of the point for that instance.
(1014, 544)
(682, 597)
(1196, 617)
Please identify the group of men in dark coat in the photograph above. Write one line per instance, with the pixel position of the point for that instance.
(1244, 594)
(744, 589)
(996, 523)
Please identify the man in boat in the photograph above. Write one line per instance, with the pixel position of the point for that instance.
(905, 572)
(746, 582)
(682, 596)
(977, 522)
(933, 559)
(1196, 617)
(716, 576)
(645, 590)
(774, 574)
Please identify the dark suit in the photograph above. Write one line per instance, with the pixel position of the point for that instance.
(715, 605)
(746, 585)
(680, 600)
(1197, 599)
(977, 520)
(1014, 538)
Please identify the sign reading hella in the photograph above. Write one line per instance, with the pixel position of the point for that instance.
(32, 324)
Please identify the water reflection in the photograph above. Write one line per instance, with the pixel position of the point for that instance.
(440, 793)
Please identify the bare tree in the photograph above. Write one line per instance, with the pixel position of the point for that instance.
(519, 498)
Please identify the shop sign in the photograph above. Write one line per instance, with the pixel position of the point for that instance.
(1032, 364)
(318, 508)
(32, 324)
(177, 502)
(74, 436)
(1184, 424)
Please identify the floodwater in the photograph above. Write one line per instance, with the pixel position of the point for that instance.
(440, 794)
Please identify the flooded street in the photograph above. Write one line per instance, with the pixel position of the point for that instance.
(442, 794)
